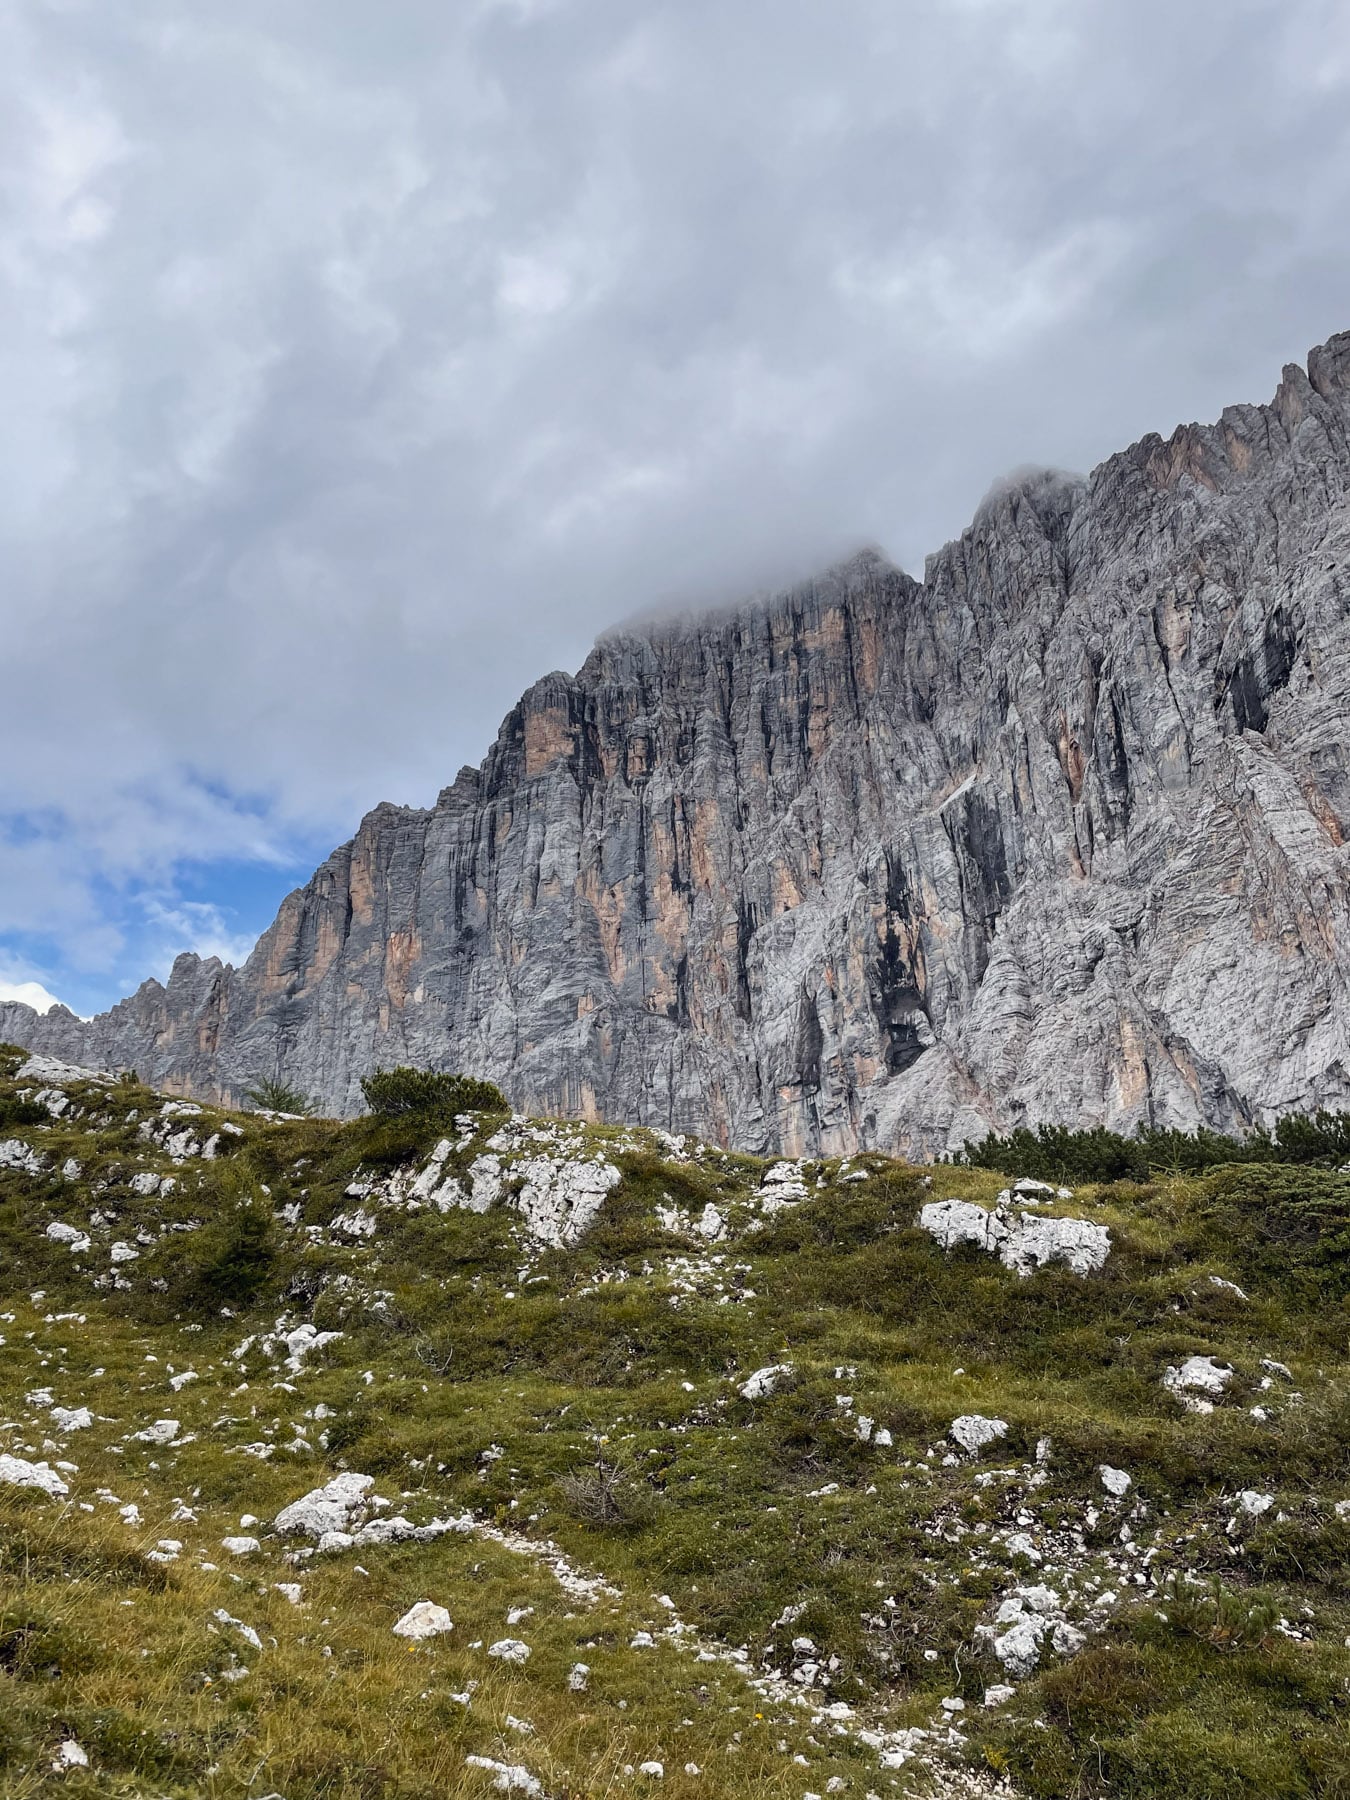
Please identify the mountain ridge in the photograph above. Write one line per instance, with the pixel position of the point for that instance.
(874, 861)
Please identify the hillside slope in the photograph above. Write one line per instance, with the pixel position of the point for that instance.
(784, 1479)
(877, 862)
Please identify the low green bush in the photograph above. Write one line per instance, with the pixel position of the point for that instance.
(14, 1111)
(1057, 1153)
(1289, 1227)
(231, 1261)
(278, 1096)
(396, 1093)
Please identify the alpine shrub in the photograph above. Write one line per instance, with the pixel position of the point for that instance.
(396, 1093)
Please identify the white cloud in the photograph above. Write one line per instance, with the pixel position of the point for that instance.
(29, 993)
(179, 925)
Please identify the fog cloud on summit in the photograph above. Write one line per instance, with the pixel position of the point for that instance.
(361, 363)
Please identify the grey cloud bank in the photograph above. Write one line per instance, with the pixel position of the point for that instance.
(362, 366)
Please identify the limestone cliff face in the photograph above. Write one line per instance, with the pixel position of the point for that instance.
(1058, 834)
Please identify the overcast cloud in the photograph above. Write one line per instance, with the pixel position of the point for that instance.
(360, 362)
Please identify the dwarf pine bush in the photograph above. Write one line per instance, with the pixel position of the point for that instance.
(399, 1093)
(271, 1095)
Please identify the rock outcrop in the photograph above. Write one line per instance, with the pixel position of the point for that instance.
(1056, 834)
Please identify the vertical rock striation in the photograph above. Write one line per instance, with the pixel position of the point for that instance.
(1058, 833)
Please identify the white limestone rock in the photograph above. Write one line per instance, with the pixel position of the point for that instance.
(765, 1381)
(561, 1196)
(510, 1650)
(953, 1222)
(424, 1620)
(357, 1224)
(1019, 1647)
(162, 1432)
(430, 1178)
(55, 1072)
(1025, 1619)
(1034, 1243)
(304, 1339)
(324, 1509)
(1022, 1241)
(508, 1778)
(1198, 1382)
(972, 1431)
(76, 1241)
(16, 1472)
(1116, 1482)
(15, 1154)
(485, 1182)
(783, 1184)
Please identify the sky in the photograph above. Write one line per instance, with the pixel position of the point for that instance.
(361, 363)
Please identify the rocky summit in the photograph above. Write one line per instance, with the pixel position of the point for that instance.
(1056, 834)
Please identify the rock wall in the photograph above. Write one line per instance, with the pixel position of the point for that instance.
(1056, 834)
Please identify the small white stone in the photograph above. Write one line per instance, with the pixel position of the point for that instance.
(162, 1432)
(424, 1620)
(509, 1650)
(1198, 1375)
(240, 1546)
(508, 1778)
(70, 1755)
(972, 1431)
(1115, 1481)
(1019, 1648)
(765, 1381)
(1227, 1287)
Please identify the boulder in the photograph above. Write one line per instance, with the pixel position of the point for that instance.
(972, 1431)
(15, 1472)
(424, 1620)
(765, 1381)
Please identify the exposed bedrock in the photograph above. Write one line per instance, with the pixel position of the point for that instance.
(1056, 834)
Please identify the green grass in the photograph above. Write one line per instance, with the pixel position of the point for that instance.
(590, 1396)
